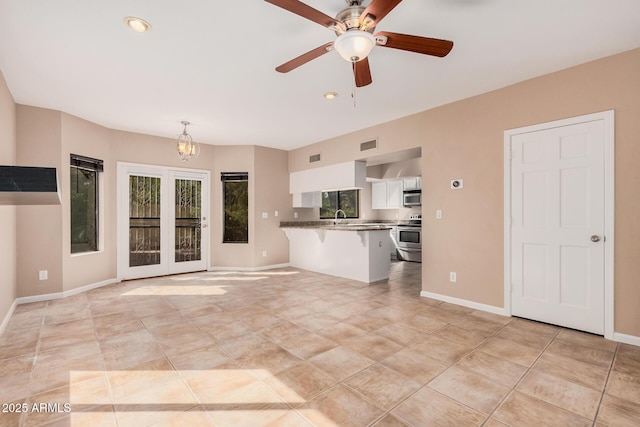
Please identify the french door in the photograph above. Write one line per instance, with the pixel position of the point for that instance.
(163, 215)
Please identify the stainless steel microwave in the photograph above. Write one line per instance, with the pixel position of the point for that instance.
(412, 198)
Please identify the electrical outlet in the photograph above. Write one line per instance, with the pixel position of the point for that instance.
(265, 215)
(295, 215)
(452, 276)
(264, 253)
(438, 214)
(276, 213)
(43, 275)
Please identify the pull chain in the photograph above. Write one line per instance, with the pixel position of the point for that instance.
(353, 85)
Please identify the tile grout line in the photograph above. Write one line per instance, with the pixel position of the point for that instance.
(524, 374)
(606, 382)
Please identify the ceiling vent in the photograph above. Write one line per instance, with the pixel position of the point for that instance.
(369, 145)
(314, 158)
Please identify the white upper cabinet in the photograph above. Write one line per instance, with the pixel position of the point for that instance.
(341, 176)
(379, 195)
(394, 194)
(413, 183)
(307, 200)
(387, 194)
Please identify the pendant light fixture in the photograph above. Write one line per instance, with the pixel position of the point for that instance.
(187, 149)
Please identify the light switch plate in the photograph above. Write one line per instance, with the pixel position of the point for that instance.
(439, 214)
(265, 215)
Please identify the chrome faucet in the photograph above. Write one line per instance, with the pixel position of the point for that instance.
(335, 219)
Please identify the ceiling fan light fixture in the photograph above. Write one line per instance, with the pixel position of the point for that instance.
(354, 45)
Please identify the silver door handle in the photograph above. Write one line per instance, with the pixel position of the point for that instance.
(595, 238)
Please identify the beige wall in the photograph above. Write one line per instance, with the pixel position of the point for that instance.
(271, 194)
(231, 159)
(39, 232)
(87, 139)
(47, 138)
(465, 140)
(268, 192)
(8, 280)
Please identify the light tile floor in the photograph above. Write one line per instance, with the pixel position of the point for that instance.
(295, 348)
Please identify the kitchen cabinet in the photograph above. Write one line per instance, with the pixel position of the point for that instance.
(413, 183)
(379, 195)
(341, 176)
(387, 194)
(307, 200)
(394, 194)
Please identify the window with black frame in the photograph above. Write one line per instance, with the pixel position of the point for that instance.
(346, 200)
(235, 194)
(84, 203)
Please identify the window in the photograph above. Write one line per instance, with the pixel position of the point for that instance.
(347, 200)
(235, 193)
(84, 203)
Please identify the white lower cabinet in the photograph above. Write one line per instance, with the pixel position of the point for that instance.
(307, 200)
(387, 194)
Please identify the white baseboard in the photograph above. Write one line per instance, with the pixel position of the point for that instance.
(7, 317)
(465, 303)
(627, 339)
(617, 336)
(64, 294)
(250, 269)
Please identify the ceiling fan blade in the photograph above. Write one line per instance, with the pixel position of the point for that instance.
(304, 58)
(376, 10)
(362, 72)
(306, 11)
(424, 45)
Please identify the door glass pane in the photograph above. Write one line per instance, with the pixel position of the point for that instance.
(144, 220)
(188, 227)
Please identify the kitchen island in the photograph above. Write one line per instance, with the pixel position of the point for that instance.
(353, 251)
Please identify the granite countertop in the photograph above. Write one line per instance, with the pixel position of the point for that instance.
(344, 225)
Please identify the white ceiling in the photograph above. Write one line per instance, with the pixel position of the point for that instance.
(212, 62)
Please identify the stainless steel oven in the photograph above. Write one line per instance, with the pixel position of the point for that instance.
(412, 198)
(409, 240)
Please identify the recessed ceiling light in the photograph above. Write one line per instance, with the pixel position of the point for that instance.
(138, 25)
(331, 95)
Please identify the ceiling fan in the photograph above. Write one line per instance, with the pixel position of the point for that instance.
(354, 27)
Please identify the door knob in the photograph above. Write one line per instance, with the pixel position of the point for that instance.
(595, 238)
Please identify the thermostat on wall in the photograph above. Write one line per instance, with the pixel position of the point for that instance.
(456, 184)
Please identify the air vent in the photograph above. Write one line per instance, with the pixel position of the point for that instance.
(314, 158)
(369, 145)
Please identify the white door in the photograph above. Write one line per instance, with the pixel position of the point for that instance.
(557, 233)
(188, 236)
(161, 216)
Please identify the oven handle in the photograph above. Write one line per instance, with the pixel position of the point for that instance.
(400, 248)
